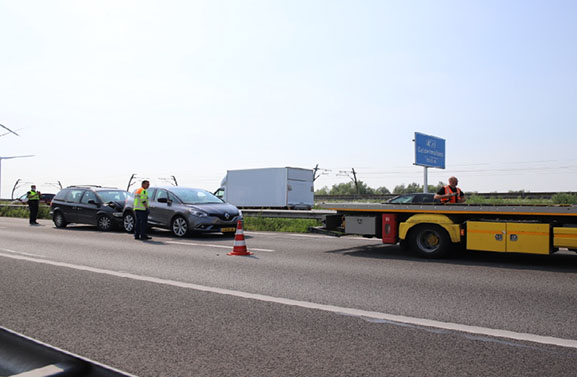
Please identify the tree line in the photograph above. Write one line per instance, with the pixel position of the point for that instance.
(361, 188)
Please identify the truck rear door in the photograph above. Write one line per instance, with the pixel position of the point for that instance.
(300, 190)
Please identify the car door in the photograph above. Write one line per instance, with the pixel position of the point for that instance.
(87, 209)
(157, 208)
(70, 207)
(163, 208)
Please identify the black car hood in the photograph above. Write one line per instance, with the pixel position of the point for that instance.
(118, 206)
(216, 208)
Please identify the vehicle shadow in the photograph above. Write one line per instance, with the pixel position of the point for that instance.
(86, 228)
(206, 236)
(563, 261)
(162, 233)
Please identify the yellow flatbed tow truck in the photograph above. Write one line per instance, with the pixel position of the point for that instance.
(432, 230)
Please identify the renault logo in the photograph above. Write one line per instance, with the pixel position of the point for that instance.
(226, 215)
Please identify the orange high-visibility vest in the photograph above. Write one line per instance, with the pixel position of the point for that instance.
(452, 199)
(140, 199)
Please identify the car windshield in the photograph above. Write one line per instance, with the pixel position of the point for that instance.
(194, 196)
(403, 199)
(112, 196)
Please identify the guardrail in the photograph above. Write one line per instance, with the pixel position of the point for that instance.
(13, 206)
(25, 357)
(288, 214)
(496, 195)
(270, 213)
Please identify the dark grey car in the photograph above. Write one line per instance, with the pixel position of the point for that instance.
(183, 210)
(416, 198)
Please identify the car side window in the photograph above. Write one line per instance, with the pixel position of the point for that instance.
(426, 198)
(74, 196)
(88, 195)
(60, 196)
(161, 194)
(173, 198)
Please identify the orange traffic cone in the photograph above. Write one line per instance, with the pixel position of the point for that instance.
(239, 247)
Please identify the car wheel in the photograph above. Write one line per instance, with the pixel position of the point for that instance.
(104, 223)
(179, 226)
(128, 222)
(430, 241)
(59, 220)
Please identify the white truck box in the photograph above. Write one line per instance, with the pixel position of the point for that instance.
(269, 188)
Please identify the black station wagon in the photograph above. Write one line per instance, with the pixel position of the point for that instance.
(94, 205)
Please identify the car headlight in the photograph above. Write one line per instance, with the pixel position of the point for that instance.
(198, 213)
(239, 213)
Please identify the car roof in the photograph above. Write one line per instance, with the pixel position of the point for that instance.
(175, 187)
(416, 193)
(94, 187)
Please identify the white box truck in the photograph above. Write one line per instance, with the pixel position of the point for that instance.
(268, 188)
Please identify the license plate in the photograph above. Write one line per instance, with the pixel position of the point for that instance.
(224, 230)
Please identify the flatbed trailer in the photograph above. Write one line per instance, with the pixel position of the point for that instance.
(433, 230)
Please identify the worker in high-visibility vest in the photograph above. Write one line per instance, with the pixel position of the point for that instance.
(141, 212)
(33, 197)
(451, 193)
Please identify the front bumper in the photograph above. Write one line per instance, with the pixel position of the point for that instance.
(212, 224)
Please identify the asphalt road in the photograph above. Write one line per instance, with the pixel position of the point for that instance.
(302, 305)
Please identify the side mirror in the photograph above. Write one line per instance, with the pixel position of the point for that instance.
(162, 200)
(93, 202)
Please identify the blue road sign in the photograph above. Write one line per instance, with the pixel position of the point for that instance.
(429, 151)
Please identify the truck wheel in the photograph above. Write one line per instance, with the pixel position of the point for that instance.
(128, 222)
(404, 245)
(430, 241)
(179, 226)
(59, 220)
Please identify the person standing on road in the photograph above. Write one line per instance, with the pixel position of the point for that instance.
(141, 212)
(451, 193)
(33, 197)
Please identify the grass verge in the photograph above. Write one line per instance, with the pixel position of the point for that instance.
(23, 212)
(279, 224)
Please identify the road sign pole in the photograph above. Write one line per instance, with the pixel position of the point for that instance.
(426, 180)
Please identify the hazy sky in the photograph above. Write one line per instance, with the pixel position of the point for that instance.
(99, 90)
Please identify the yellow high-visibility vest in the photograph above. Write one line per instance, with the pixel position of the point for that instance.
(140, 199)
(33, 195)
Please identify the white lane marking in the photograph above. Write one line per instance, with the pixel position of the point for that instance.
(218, 246)
(288, 235)
(568, 343)
(23, 253)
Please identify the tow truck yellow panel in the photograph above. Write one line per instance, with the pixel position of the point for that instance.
(486, 236)
(529, 238)
(565, 237)
(509, 237)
